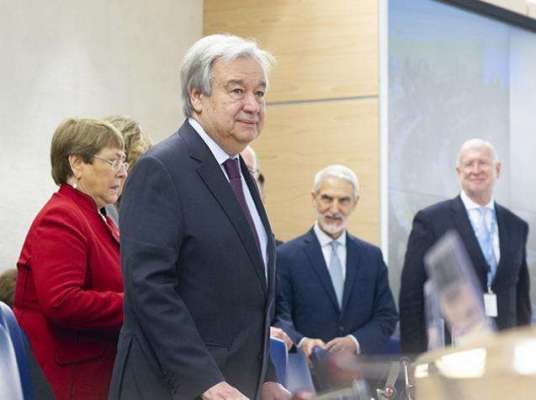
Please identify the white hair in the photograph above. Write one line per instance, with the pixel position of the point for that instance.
(340, 172)
(197, 64)
(476, 143)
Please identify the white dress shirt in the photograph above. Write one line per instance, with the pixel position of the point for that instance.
(476, 220)
(221, 156)
(325, 246)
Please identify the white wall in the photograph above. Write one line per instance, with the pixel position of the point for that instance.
(80, 58)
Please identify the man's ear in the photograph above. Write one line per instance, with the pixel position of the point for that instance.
(498, 166)
(76, 165)
(459, 172)
(356, 201)
(195, 99)
(313, 198)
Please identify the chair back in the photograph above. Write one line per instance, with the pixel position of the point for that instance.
(11, 352)
(279, 354)
(298, 374)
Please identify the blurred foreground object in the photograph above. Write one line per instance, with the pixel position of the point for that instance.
(348, 376)
(480, 365)
(20, 375)
(11, 349)
(435, 324)
(499, 367)
(458, 294)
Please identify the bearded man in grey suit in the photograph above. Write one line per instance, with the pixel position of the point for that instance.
(333, 288)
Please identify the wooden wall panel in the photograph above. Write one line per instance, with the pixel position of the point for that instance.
(324, 49)
(299, 140)
(323, 103)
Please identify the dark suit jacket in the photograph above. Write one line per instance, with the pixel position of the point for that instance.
(511, 283)
(197, 303)
(307, 304)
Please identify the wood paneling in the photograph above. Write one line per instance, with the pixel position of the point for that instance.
(324, 49)
(299, 140)
(323, 100)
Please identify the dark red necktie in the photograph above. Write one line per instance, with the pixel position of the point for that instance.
(233, 172)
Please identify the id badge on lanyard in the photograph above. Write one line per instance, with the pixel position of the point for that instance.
(490, 303)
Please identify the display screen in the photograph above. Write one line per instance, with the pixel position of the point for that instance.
(453, 75)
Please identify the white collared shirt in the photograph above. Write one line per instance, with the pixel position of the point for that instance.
(476, 219)
(221, 156)
(325, 245)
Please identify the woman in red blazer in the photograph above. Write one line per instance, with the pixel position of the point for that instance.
(69, 293)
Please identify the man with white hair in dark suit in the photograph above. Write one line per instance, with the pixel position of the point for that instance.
(495, 239)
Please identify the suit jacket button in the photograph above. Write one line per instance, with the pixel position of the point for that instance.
(341, 329)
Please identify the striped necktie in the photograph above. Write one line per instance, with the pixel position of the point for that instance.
(485, 240)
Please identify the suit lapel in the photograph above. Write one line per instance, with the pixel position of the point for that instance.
(352, 265)
(316, 258)
(504, 244)
(213, 177)
(468, 236)
(270, 251)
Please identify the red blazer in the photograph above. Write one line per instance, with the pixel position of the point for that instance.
(69, 294)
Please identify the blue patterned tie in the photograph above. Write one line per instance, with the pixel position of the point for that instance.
(486, 241)
(335, 271)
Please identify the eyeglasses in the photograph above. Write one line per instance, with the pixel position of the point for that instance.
(115, 164)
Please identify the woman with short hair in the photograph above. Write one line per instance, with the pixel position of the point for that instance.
(69, 292)
(136, 141)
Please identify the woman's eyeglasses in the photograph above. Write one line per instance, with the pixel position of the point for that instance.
(115, 164)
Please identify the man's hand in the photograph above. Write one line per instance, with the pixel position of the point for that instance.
(345, 343)
(223, 391)
(274, 391)
(302, 395)
(281, 334)
(307, 346)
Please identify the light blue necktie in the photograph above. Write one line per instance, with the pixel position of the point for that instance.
(486, 241)
(335, 271)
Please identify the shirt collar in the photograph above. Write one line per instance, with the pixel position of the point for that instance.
(325, 240)
(80, 198)
(471, 205)
(219, 154)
